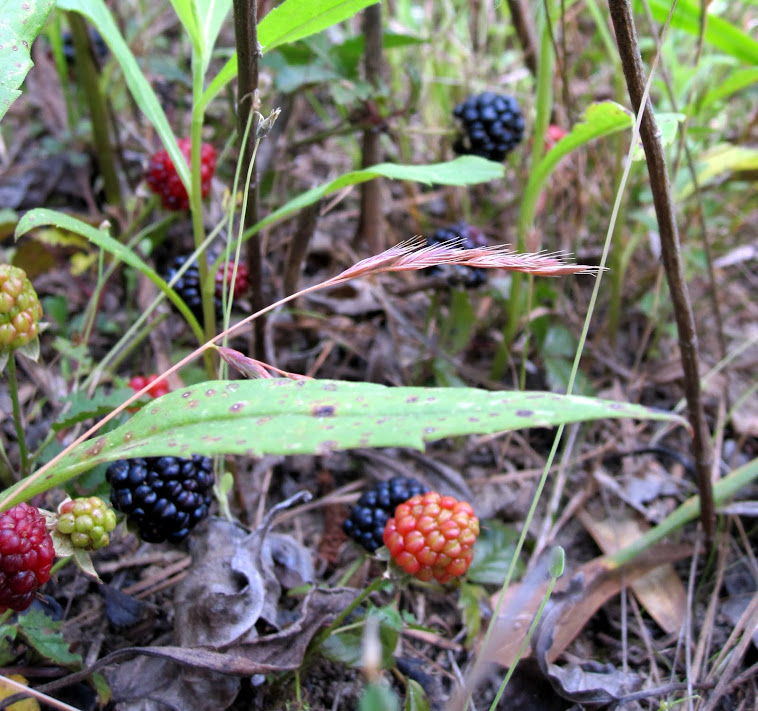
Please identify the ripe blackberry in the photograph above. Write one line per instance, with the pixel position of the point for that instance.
(492, 126)
(367, 518)
(188, 287)
(432, 536)
(164, 496)
(20, 309)
(459, 274)
(87, 521)
(26, 556)
(162, 178)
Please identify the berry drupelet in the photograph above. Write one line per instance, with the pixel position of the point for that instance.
(20, 309)
(432, 536)
(26, 556)
(164, 496)
(163, 180)
(367, 518)
(459, 274)
(492, 126)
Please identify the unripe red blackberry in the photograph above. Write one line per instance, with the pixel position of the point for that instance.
(140, 381)
(162, 178)
(432, 536)
(87, 521)
(468, 237)
(20, 309)
(164, 496)
(26, 556)
(492, 126)
(241, 280)
(367, 518)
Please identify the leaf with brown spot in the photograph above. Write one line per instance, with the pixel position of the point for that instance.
(317, 417)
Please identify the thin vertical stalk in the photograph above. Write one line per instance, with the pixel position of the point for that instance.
(13, 388)
(89, 80)
(369, 231)
(248, 54)
(631, 62)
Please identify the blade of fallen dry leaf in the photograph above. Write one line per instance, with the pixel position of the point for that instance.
(660, 591)
(600, 580)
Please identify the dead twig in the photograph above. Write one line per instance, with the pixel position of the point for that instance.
(634, 73)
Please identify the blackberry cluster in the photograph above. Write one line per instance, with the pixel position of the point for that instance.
(368, 517)
(459, 274)
(188, 287)
(99, 47)
(492, 126)
(164, 496)
(26, 556)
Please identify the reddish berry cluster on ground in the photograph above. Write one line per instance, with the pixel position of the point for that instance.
(163, 180)
(432, 536)
(26, 556)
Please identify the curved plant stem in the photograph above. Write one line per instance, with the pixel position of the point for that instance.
(13, 388)
(631, 62)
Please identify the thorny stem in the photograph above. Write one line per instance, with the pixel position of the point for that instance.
(13, 387)
(631, 62)
(248, 54)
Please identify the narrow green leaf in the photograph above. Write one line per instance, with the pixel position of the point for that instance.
(42, 216)
(465, 170)
(212, 14)
(415, 698)
(718, 32)
(20, 23)
(378, 697)
(719, 160)
(736, 81)
(288, 22)
(279, 416)
(100, 16)
(186, 11)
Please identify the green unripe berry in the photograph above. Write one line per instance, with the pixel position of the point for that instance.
(20, 309)
(88, 521)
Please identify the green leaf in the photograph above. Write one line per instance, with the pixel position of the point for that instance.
(718, 32)
(44, 634)
(346, 646)
(202, 19)
(290, 21)
(469, 605)
(736, 81)
(186, 11)
(7, 637)
(280, 416)
(466, 170)
(415, 698)
(20, 23)
(718, 161)
(601, 119)
(378, 697)
(42, 216)
(100, 16)
(493, 552)
(85, 406)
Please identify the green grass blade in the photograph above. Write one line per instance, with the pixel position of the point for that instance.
(466, 170)
(718, 32)
(278, 416)
(19, 27)
(42, 216)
